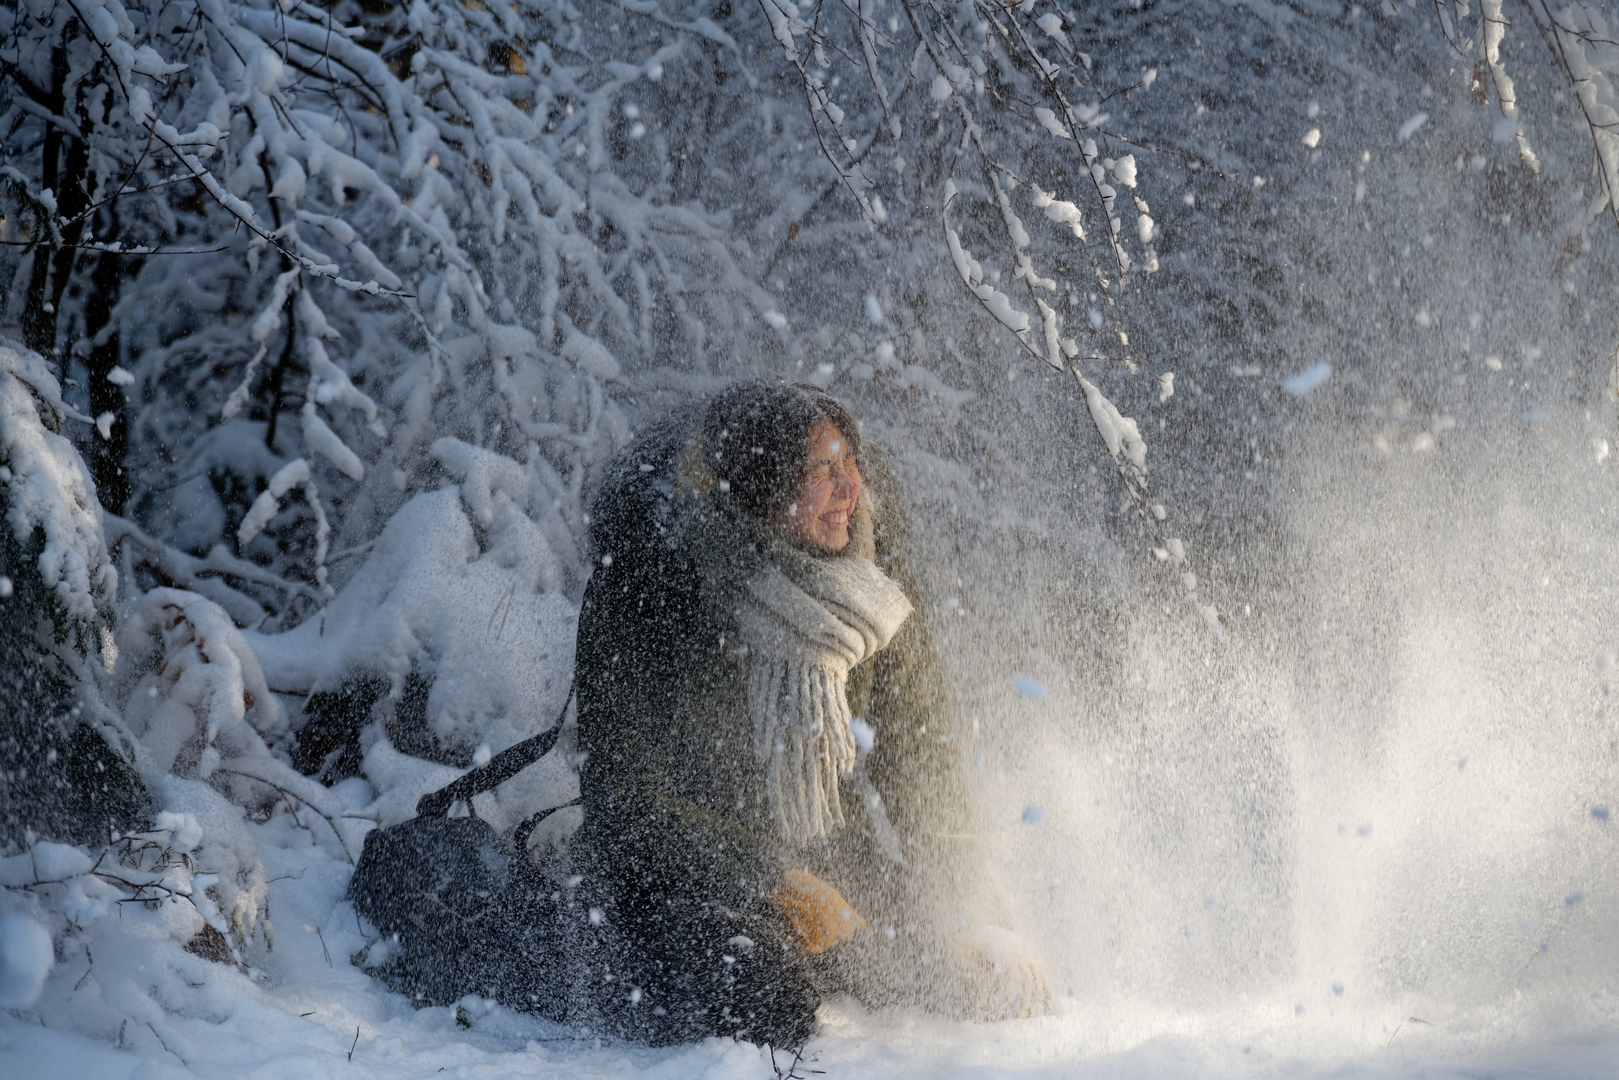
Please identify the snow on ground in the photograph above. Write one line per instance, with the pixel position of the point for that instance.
(135, 1004)
(305, 1011)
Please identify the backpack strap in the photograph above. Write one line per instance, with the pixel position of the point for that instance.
(496, 771)
(526, 828)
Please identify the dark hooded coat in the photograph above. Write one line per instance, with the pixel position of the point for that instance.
(675, 811)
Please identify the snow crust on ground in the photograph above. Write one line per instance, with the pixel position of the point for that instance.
(26, 956)
(137, 1005)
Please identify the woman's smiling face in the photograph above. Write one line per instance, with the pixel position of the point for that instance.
(817, 516)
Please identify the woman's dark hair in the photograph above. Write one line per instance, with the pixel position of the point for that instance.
(755, 434)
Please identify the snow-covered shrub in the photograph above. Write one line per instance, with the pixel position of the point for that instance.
(196, 701)
(50, 501)
(198, 696)
(192, 879)
(471, 622)
(65, 756)
(69, 763)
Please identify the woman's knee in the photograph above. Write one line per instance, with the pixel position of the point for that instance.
(692, 971)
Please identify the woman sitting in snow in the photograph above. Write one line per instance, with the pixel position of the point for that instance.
(773, 811)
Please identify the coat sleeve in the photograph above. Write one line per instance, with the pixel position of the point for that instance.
(645, 831)
(667, 845)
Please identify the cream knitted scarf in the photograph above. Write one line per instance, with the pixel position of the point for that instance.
(807, 622)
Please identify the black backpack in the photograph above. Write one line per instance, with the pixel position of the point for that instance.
(461, 908)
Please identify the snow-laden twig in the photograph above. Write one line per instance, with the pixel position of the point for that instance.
(1495, 28)
(41, 207)
(1586, 50)
(203, 575)
(823, 110)
(1122, 437)
(312, 793)
(1030, 74)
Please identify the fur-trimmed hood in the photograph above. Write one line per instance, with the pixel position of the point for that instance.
(664, 506)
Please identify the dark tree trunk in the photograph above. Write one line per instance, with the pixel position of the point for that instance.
(39, 314)
(72, 199)
(64, 171)
(109, 456)
(278, 374)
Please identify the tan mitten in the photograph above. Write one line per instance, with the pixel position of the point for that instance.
(820, 914)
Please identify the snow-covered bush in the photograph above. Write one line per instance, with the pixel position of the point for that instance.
(50, 501)
(192, 879)
(70, 764)
(284, 157)
(74, 770)
(66, 757)
(198, 696)
(489, 646)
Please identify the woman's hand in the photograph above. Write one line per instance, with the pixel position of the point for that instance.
(817, 911)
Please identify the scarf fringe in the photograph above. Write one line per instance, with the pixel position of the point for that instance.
(802, 734)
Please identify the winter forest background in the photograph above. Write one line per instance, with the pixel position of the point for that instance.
(1249, 368)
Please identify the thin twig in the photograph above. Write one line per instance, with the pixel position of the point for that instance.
(342, 845)
(119, 249)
